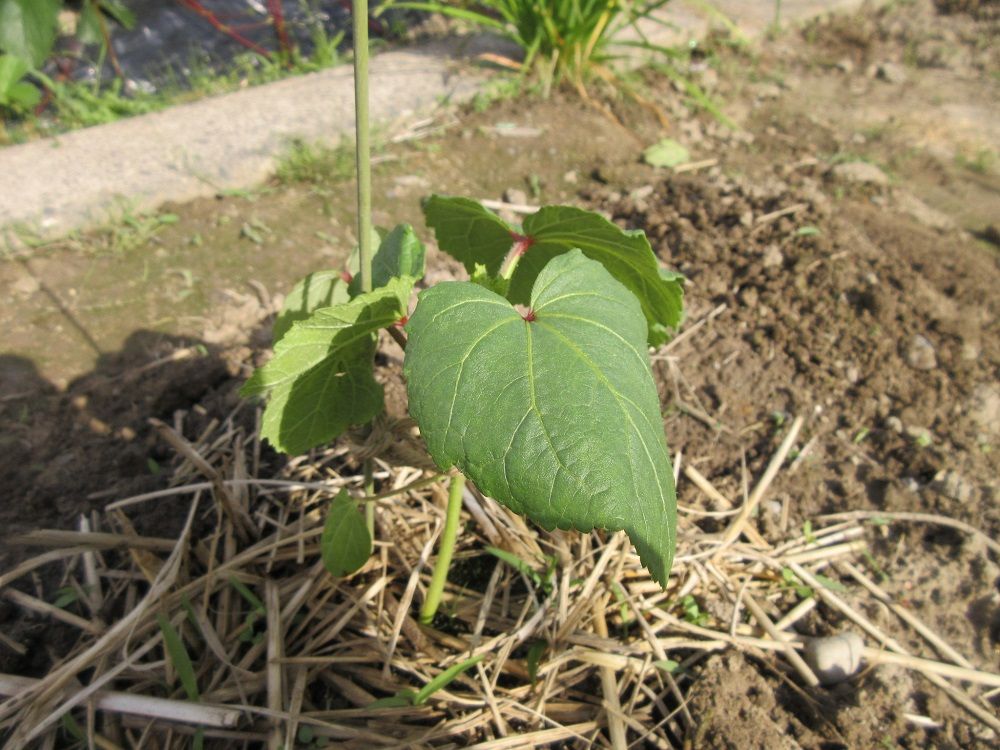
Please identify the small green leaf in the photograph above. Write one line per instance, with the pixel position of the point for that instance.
(829, 583)
(72, 728)
(248, 595)
(666, 153)
(791, 581)
(400, 254)
(67, 595)
(15, 93)
(118, 11)
(622, 598)
(496, 284)
(469, 233)
(667, 665)
(401, 699)
(345, 544)
(88, 25)
(517, 564)
(554, 414)
(321, 379)
(808, 231)
(534, 658)
(318, 289)
(444, 679)
(179, 658)
(306, 734)
(24, 95)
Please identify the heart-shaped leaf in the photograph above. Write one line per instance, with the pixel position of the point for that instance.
(470, 233)
(345, 544)
(554, 413)
(318, 289)
(321, 378)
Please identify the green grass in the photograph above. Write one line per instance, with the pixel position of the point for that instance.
(315, 163)
(561, 39)
(81, 104)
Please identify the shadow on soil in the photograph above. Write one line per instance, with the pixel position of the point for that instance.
(67, 453)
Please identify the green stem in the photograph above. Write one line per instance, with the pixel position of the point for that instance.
(370, 492)
(508, 272)
(363, 156)
(446, 549)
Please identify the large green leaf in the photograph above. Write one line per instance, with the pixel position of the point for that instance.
(468, 232)
(472, 234)
(28, 28)
(318, 289)
(345, 544)
(321, 378)
(554, 413)
(399, 254)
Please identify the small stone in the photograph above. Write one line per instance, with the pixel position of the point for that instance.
(891, 73)
(571, 177)
(845, 66)
(834, 658)
(853, 374)
(749, 296)
(708, 79)
(746, 218)
(984, 407)
(515, 195)
(26, 285)
(871, 279)
(895, 424)
(769, 91)
(951, 484)
(773, 257)
(861, 172)
(920, 354)
(641, 192)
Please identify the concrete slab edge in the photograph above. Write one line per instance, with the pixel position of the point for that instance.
(55, 185)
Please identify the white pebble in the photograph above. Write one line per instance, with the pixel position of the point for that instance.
(834, 658)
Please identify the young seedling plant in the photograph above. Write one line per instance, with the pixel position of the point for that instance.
(532, 379)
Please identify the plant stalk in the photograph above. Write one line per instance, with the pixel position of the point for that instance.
(445, 550)
(363, 155)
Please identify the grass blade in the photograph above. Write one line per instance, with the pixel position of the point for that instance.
(179, 658)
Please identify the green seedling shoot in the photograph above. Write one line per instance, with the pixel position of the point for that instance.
(532, 380)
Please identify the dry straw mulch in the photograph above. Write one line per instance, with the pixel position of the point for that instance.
(581, 650)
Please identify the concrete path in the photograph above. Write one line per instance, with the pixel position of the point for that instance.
(231, 141)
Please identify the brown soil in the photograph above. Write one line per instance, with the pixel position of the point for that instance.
(868, 307)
